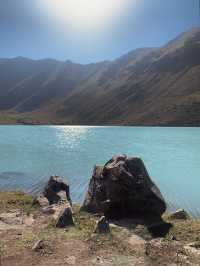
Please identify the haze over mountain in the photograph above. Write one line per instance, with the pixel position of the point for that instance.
(148, 86)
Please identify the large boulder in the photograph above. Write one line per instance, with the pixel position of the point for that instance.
(123, 188)
(57, 191)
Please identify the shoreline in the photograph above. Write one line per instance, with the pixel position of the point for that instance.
(105, 125)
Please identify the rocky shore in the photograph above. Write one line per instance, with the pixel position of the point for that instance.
(122, 221)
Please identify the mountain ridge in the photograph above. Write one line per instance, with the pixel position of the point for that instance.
(147, 86)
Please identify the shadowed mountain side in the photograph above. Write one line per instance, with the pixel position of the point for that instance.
(27, 85)
(149, 86)
(161, 86)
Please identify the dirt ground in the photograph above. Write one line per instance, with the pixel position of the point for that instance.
(128, 243)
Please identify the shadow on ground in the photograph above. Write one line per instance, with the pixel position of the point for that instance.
(145, 227)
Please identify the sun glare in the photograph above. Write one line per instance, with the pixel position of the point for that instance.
(85, 14)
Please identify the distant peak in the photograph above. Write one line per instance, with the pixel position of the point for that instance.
(69, 62)
(21, 58)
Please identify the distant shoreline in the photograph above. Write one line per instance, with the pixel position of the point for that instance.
(100, 125)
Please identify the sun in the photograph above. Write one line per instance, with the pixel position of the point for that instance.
(84, 14)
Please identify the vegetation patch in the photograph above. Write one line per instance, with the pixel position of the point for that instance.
(12, 200)
(185, 230)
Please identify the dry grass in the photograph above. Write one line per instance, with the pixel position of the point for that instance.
(12, 200)
(185, 230)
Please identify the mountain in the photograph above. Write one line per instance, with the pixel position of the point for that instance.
(27, 85)
(148, 86)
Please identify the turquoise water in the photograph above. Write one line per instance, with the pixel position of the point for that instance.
(30, 154)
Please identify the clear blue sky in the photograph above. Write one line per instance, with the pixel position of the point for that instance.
(28, 30)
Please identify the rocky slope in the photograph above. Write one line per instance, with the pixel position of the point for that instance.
(149, 86)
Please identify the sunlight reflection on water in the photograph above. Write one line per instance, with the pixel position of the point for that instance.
(70, 135)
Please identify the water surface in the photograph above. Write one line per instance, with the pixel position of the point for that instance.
(30, 154)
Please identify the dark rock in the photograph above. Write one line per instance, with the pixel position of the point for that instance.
(64, 218)
(173, 238)
(38, 245)
(57, 190)
(179, 214)
(123, 188)
(159, 229)
(102, 226)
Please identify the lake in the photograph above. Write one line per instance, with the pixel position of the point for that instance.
(30, 154)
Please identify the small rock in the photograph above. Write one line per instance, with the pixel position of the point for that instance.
(41, 201)
(64, 218)
(98, 261)
(38, 245)
(11, 218)
(28, 220)
(173, 238)
(179, 214)
(57, 190)
(71, 260)
(102, 226)
(192, 249)
(48, 210)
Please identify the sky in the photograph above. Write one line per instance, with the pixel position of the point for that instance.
(86, 31)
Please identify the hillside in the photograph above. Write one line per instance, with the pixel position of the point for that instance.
(148, 86)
